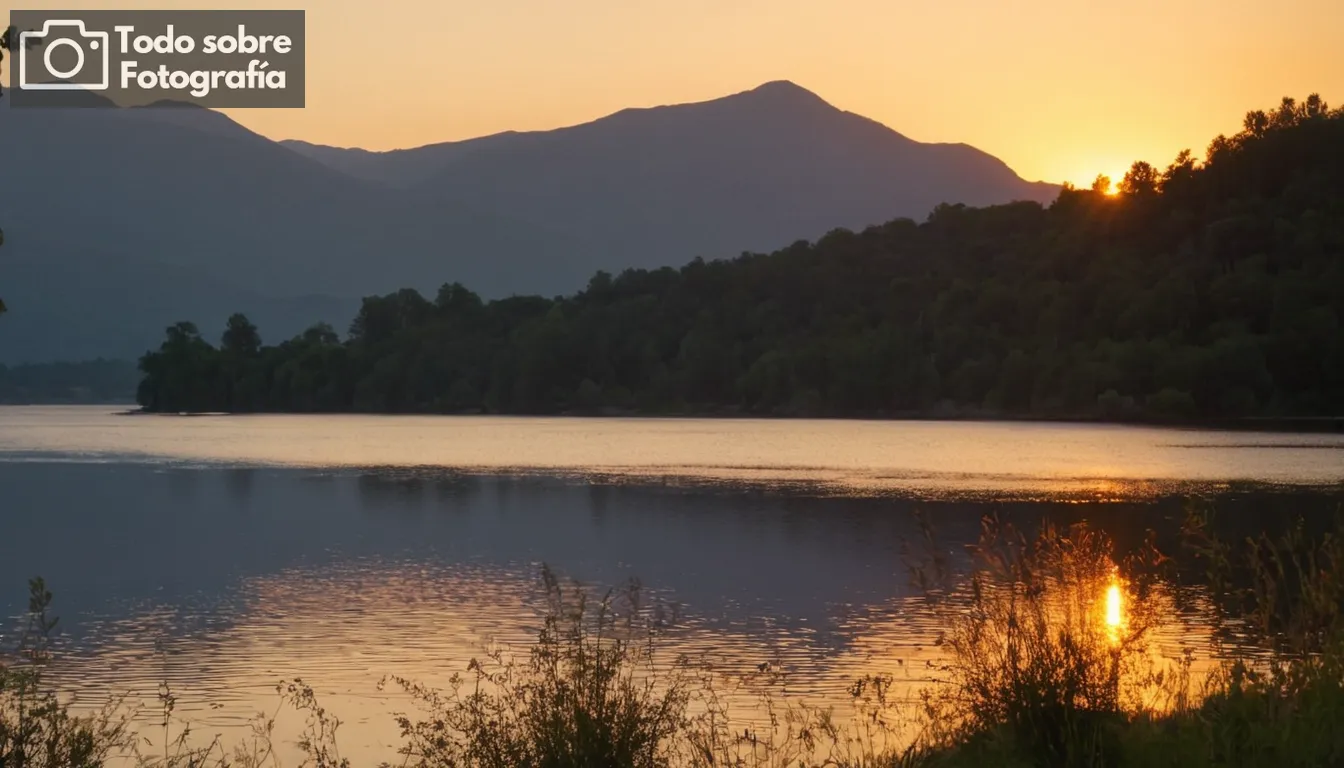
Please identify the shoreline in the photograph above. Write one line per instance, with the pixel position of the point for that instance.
(1285, 424)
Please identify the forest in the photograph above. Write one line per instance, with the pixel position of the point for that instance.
(1204, 290)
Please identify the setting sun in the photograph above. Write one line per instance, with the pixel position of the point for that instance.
(1106, 182)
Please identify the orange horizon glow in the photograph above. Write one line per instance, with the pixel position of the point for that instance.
(1059, 91)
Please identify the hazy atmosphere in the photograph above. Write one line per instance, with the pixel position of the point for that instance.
(1060, 90)
(646, 385)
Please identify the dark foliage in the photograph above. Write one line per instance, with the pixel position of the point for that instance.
(6, 41)
(1211, 289)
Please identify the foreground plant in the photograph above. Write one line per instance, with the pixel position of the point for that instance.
(1282, 707)
(37, 730)
(1048, 664)
(1043, 662)
(1042, 673)
(594, 692)
(588, 694)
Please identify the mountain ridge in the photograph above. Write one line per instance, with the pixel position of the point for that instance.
(774, 93)
(190, 197)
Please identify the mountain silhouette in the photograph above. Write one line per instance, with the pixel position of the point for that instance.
(121, 221)
(752, 171)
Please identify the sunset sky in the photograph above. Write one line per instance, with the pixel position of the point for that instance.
(1061, 90)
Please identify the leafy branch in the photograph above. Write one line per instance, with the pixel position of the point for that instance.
(6, 41)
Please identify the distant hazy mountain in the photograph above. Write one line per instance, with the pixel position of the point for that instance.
(752, 171)
(120, 221)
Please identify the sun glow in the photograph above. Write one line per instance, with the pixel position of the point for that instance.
(1114, 605)
(1107, 183)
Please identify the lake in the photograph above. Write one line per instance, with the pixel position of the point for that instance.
(223, 553)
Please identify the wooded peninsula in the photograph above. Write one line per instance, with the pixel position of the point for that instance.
(1204, 290)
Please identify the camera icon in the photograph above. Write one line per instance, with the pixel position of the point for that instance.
(56, 34)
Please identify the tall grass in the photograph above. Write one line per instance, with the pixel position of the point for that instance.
(1035, 667)
(37, 729)
(1284, 708)
(1038, 677)
(1038, 671)
(588, 694)
(593, 692)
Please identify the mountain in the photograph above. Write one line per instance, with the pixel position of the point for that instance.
(751, 171)
(120, 221)
(191, 188)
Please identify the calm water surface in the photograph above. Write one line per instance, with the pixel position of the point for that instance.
(221, 554)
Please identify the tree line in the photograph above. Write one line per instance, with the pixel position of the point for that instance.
(90, 381)
(1208, 289)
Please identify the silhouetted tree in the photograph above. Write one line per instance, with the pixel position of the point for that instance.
(1180, 170)
(1315, 107)
(8, 36)
(240, 338)
(1141, 179)
(1256, 123)
(5, 38)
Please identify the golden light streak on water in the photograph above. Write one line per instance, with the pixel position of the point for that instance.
(1114, 606)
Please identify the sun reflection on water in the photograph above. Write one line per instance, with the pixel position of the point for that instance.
(1114, 606)
(359, 621)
